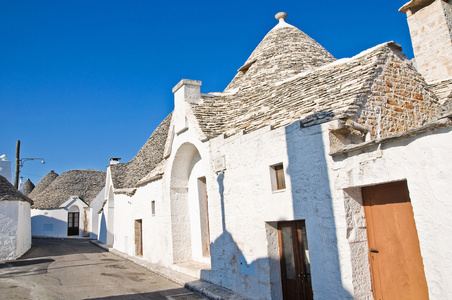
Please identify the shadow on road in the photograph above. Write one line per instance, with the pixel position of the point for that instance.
(43, 247)
(24, 267)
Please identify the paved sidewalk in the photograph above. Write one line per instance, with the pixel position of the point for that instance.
(204, 288)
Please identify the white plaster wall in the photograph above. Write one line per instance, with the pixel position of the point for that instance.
(23, 229)
(95, 207)
(240, 257)
(15, 229)
(122, 223)
(9, 213)
(49, 222)
(252, 209)
(426, 163)
(195, 211)
(53, 222)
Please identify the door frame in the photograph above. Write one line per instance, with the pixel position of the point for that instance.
(303, 283)
(73, 230)
(138, 227)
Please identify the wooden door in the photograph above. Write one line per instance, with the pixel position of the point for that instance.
(73, 223)
(295, 265)
(138, 238)
(395, 258)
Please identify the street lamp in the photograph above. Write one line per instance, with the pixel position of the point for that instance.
(20, 163)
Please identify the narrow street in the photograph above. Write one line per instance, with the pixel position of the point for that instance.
(77, 269)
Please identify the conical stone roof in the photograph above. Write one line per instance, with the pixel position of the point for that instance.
(85, 184)
(9, 193)
(28, 187)
(283, 52)
(43, 184)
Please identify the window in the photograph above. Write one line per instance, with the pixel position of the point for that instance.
(278, 177)
(153, 208)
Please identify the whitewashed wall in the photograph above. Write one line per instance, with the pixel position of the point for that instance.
(247, 254)
(24, 229)
(53, 222)
(15, 236)
(95, 207)
(49, 222)
(9, 213)
(425, 162)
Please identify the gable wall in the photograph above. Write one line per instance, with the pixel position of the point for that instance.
(399, 99)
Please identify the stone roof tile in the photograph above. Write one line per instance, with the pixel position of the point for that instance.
(126, 175)
(85, 184)
(9, 193)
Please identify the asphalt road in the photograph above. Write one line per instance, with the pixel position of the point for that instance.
(77, 269)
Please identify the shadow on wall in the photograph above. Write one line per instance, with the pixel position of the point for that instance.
(48, 226)
(235, 270)
(312, 202)
(103, 229)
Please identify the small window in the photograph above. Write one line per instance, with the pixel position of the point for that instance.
(278, 177)
(153, 208)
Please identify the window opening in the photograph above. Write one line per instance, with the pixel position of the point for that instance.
(278, 177)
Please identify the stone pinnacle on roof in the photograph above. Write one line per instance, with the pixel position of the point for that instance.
(281, 16)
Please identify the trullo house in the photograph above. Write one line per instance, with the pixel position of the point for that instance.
(67, 205)
(15, 228)
(307, 177)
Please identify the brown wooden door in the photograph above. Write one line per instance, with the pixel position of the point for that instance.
(138, 238)
(73, 223)
(395, 258)
(295, 266)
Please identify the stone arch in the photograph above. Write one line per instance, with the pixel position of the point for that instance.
(188, 213)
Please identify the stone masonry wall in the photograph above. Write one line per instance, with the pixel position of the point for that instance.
(399, 99)
(430, 30)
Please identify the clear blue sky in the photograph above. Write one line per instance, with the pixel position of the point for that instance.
(83, 81)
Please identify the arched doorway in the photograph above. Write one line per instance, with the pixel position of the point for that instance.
(73, 220)
(189, 207)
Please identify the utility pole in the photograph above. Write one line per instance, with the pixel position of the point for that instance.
(16, 177)
(20, 164)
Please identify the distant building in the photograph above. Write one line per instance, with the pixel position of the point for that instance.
(15, 229)
(5, 168)
(306, 176)
(68, 204)
(28, 187)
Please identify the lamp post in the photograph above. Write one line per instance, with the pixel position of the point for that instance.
(20, 163)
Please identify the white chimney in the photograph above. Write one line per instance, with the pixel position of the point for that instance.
(114, 160)
(185, 92)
